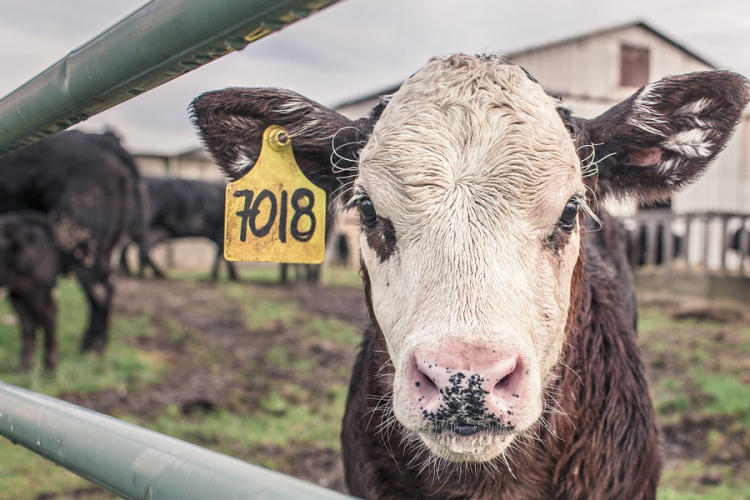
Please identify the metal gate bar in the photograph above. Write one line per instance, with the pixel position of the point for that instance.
(157, 43)
(136, 463)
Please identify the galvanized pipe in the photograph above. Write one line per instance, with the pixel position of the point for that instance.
(157, 43)
(136, 463)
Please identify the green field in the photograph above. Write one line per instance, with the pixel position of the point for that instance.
(697, 356)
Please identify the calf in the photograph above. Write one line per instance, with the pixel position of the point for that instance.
(184, 208)
(86, 184)
(28, 269)
(501, 360)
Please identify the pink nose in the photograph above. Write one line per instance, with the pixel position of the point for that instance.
(466, 388)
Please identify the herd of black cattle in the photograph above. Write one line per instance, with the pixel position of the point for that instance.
(66, 203)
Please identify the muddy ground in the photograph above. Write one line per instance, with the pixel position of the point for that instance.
(193, 383)
(198, 383)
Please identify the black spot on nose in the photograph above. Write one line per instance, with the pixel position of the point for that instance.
(466, 430)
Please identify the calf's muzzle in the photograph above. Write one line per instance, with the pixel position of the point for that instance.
(466, 388)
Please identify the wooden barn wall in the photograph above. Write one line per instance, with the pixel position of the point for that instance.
(590, 67)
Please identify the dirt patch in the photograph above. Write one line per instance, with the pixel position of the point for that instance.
(684, 308)
(215, 360)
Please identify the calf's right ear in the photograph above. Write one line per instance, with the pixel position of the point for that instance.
(231, 123)
(662, 137)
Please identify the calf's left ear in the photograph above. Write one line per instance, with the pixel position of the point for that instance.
(231, 123)
(663, 136)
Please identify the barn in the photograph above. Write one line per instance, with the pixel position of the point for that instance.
(596, 70)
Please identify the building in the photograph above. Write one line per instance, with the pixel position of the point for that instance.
(594, 71)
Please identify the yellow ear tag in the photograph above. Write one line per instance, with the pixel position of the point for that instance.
(274, 213)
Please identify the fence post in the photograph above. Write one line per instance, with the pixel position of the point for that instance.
(723, 221)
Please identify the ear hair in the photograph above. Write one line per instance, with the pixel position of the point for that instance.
(231, 123)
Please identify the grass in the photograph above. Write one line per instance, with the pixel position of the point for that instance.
(728, 396)
(262, 312)
(334, 330)
(268, 274)
(287, 417)
(123, 368)
(277, 422)
(699, 390)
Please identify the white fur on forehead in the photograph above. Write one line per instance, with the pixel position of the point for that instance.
(476, 126)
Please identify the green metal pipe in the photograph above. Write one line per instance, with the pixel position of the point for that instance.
(136, 463)
(157, 43)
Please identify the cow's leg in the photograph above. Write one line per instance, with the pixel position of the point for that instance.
(232, 270)
(153, 238)
(217, 263)
(47, 314)
(124, 266)
(99, 292)
(146, 261)
(313, 273)
(284, 273)
(28, 327)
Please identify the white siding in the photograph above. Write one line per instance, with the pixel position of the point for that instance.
(587, 72)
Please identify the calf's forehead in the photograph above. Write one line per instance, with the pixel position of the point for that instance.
(471, 124)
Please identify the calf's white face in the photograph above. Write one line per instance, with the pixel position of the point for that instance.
(470, 189)
(462, 187)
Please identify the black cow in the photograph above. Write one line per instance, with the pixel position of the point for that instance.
(183, 208)
(28, 269)
(87, 186)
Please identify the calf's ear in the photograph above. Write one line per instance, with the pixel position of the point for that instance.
(231, 123)
(663, 136)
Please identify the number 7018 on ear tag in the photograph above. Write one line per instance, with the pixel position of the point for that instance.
(274, 213)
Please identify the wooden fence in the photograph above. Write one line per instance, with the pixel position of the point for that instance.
(707, 242)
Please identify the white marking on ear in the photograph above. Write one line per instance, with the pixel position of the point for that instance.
(644, 116)
(293, 106)
(690, 143)
(240, 164)
(669, 165)
(694, 108)
(310, 126)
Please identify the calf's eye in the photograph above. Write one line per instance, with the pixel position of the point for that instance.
(569, 215)
(367, 210)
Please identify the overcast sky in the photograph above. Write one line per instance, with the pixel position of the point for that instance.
(353, 48)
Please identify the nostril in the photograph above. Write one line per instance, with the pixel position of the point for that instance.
(508, 377)
(424, 382)
(426, 388)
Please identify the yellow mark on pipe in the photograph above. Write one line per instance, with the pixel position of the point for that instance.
(257, 33)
